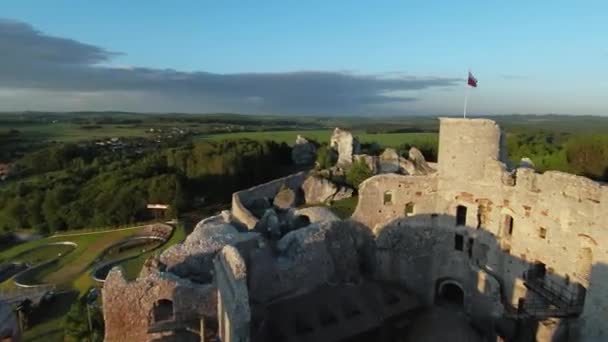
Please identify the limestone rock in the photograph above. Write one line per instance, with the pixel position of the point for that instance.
(527, 163)
(318, 214)
(318, 190)
(285, 198)
(416, 157)
(346, 145)
(370, 161)
(269, 224)
(303, 152)
(193, 257)
(406, 167)
(389, 161)
(343, 193)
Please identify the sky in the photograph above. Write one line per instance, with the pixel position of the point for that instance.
(305, 57)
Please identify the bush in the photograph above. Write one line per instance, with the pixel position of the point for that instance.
(357, 173)
(326, 158)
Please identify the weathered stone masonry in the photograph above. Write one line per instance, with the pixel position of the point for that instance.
(510, 222)
(517, 244)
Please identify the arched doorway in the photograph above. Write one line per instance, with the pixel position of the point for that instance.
(162, 311)
(449, 292)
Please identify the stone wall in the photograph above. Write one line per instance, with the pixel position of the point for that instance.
(234, 313)
(128, 306)
(557, 219)
(242, 199)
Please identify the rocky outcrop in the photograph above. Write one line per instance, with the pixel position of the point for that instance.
(303, 152)
(389, 161)
(343, 193)
(285, 198)
(527, 163)
(317, 214)
(420, 164)
(269, 224)
(318, 190)
(346, 145)
(193, 258)
(370, 161)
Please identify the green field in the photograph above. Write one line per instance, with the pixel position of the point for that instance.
(72, 272)
(35, 256)
(289, 137)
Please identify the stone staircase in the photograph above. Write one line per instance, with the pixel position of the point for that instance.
(555, 300)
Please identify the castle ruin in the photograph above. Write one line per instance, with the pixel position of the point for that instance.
(519, 255)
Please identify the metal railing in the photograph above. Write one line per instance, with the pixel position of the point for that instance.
(557, 300)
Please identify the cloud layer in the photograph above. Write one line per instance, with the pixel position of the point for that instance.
(54, 66)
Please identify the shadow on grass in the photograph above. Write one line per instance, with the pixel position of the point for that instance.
(46, 320)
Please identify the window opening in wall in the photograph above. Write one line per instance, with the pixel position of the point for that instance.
(542, 232)
(409, 209)
(458, 242)
(470, 248)
(388, 198)
(162, 310)
(509, 224)
(461, 215)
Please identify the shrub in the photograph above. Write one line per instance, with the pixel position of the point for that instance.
(357, 173)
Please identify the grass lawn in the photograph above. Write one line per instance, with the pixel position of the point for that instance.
(289, 137)
(41, 254)
(72, 265)
(344, 208)
(73, 272)
(133, 266)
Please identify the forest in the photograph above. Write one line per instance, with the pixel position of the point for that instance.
(68, 186)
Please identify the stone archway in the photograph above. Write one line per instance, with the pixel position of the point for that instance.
(449, 291)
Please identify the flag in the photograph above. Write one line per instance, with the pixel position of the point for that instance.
(472, 80)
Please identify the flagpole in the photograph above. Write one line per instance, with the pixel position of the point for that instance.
(466, 99)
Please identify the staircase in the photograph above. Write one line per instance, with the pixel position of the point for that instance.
(555, 300)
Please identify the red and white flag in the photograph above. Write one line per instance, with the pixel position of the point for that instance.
(472, 81)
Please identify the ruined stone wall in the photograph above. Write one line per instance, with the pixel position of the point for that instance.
(234, 313)
(128, 306)
(558, 219)
(383, 198)
(242, 199)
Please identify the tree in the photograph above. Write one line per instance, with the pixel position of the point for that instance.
(76, 324)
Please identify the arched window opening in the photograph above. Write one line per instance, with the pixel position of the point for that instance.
(162, 310)
(461, 215)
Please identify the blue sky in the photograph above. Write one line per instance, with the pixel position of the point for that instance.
(305, 57)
